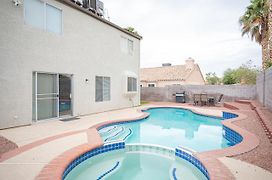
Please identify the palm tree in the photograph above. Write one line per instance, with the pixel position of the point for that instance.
(254, 22)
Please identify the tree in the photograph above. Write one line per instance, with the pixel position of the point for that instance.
(132, 30)
(229, 77)
(245, 74)
(254, 22)
(267, 64)
(212, 78)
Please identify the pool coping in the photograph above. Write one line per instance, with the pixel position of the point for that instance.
(209, 159)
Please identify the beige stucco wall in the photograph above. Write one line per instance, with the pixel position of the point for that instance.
(86, 48)
(195, 78)
(193, 81)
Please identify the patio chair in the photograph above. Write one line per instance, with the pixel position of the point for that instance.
(204, 99)
(220, 99)
(197, 99)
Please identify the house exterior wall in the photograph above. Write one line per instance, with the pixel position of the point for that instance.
(195, 78)
(86, 48)
(167, 83)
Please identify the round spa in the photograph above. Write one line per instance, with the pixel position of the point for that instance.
(118, 161)
(161, 146)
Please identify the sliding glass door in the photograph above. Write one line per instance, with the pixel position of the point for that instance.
(65, 95)
(51, 95)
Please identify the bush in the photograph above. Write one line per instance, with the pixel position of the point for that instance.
(245, 74)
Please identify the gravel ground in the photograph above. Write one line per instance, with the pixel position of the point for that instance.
(262, 155)
(6, 145)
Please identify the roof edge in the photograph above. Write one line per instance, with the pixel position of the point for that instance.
(73, 5)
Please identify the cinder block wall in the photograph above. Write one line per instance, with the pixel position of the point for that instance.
(167, 94)
(264, 88)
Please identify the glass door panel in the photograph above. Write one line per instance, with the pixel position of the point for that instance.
(65, 105)
(47, 96)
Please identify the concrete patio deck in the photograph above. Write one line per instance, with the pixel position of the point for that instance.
(41, 142)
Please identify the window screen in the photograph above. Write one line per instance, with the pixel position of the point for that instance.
(34, 13)
(102, 88)
(130, 47)
(131, 84)
(42, 15)
(53, 19)
(126, 46)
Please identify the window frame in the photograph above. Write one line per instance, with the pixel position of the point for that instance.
(44, 17)
(128, 51)
(102, 89)
(136, 85)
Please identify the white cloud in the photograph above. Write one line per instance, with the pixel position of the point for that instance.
(173, 30)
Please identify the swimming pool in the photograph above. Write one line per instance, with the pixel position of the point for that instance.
(171, 127)
(162, 145)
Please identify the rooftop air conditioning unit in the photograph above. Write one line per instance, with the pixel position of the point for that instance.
(100, 8)
(92, 4)
(86, 3)
(79, 2)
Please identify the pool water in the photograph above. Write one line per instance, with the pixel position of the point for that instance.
(123, 165)
(171, 127)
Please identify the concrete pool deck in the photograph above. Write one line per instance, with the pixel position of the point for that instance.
(40, 143)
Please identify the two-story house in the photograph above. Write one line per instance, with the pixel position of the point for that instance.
(60, 59)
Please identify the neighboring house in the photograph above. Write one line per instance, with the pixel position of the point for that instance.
(59, 60)
(189, 73)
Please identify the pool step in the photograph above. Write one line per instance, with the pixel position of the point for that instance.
(107, 130)
(114, 135)
(122, 134)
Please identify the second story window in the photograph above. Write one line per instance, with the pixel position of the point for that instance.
(42, 15)
(126, 46)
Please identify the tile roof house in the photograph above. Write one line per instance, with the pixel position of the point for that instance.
(189, 73)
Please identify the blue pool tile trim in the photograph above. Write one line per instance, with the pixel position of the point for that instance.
(109, 171)
(232, 136)
(193, 160)
(92, 153)
(227, 115)
(174, 174)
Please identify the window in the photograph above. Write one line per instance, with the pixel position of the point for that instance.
(42, 15)
(102, 88)
(130, 47)
(131, 84)
(53, 19)
(151, 85)
(126, 46)
(34, 13)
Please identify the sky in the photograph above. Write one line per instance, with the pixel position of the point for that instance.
(173, 30)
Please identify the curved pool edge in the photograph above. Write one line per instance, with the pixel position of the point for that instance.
(173, 153)
(216, 169)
